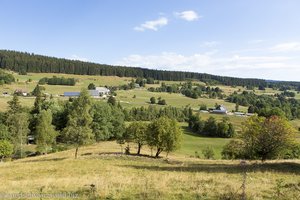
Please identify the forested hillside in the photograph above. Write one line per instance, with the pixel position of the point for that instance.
(25, 62)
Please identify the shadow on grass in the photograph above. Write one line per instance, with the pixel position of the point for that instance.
(188, 131)
(284, 167)
(45, 160)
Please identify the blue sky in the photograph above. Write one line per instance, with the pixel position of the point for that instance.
(249, 38)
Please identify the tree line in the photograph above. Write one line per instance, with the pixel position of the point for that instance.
(28, 62)
(57, 81)
(267, 105)
(55, 124)
(211, 127)
(190, 90)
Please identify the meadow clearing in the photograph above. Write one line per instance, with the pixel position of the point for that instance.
(101, 172)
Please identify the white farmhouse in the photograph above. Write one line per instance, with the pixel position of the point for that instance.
(103, 91)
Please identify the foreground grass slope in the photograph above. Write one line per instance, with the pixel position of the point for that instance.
(118, 176)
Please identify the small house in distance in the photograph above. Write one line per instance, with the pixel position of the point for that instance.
(103, 91)
(99, 91)
(71, 94)
(93, 93)
(220, 110)
(21, 92)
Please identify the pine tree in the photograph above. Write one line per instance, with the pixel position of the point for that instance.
(14, 105)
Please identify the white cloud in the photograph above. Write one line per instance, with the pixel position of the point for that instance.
(152, 25)
(213, 63)
(75, 57)
(188, 15)
(286, 47)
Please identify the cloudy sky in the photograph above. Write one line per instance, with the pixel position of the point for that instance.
(249, 38)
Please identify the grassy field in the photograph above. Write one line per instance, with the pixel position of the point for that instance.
(82, 82)
(192, 143)
(142, 98)
(116, 176)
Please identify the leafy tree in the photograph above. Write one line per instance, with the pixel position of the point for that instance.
(225, 129)
(237, 107)
(164, 134)
(266, 138)
(6, 149)
(45, 132)
(152, 100)
(18, 127)
(112, 100)
(210, 127)
(78, 130)
(102, 124)
(150, 80)
(136, 132)
(91, 86)
(4, 134)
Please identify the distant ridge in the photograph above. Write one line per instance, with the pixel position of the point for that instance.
(23, 62)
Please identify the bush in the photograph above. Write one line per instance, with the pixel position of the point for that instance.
(291, 153)
(203, 107)
(6, 149)
(208, 153)
(233, 150)
(91, 86)
(162, 102)
(152, 100)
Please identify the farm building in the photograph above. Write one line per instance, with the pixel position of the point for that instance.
(93, 93)
(99, 91)
(102, 91)
(71, 94)
(21, 92)
(220, 110)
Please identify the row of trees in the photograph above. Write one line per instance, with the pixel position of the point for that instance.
(76, 122)
(26, 62)
(57, 81)
(211, 127)
(152, 112)
(267, 105)
(160, 101)
(190, 90)
(162, 134)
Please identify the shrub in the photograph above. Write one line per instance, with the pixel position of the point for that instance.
(208, 153)
(162, 102)
(91, 86)
(6, 149)
(203, 107)
(233, 150)
(152, 100)
(291, 153)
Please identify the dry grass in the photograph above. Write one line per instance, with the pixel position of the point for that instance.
(131, 177)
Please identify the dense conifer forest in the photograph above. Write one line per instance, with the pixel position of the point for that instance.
(23, 62)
